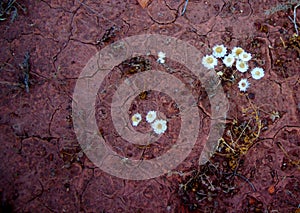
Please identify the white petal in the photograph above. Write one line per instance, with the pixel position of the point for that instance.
(151, 116)
(241, 66)
(159, 126)
(257, 73)
(136, 119)
(243, 85)
(209, 61)
(219, 51)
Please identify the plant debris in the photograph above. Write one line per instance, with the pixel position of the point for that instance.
(10, 8)
(294, 43)
(144, 3)
(216, 178)
(25, 68)
(135, 65)
(108, 35)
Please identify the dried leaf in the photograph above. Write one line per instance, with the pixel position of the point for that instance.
(144, 3)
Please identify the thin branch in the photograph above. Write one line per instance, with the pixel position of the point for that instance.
(184, 7)
(294, 20)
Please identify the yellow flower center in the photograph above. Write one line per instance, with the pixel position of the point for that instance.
(242, 65)
(159, 126)
(239, 51)
(209, 60)
(229, 60)
(219, 49)
(135, 119)
(257, 73)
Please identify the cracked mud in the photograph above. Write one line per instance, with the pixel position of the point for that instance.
(44, 169)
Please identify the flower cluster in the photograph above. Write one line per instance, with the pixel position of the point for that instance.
(239, 57)
(159, 126)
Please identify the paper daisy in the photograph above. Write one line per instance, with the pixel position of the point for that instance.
(136, 119)
(243, 85)
(241, 66)
(219, 51)
(229, 60)
(151, 116)
(257, 73)
(161, 60)
(161, 57)
(159, 126)
(244, 56)
(236, 51)
(209, 61)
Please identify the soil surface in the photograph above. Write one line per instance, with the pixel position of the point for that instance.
(256, 167)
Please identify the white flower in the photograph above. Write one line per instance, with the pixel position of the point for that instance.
(244, 56)
(241, 66)
(161, 57)
(236, 51)
(243, 85)
(219, 51)
(257, 73)
(161, 54)
(151, 116)
(159, 126)
(229, 60)
(136, 119)
(161, 60)
(209, 61)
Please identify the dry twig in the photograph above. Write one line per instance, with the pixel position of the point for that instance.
(294, 19)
